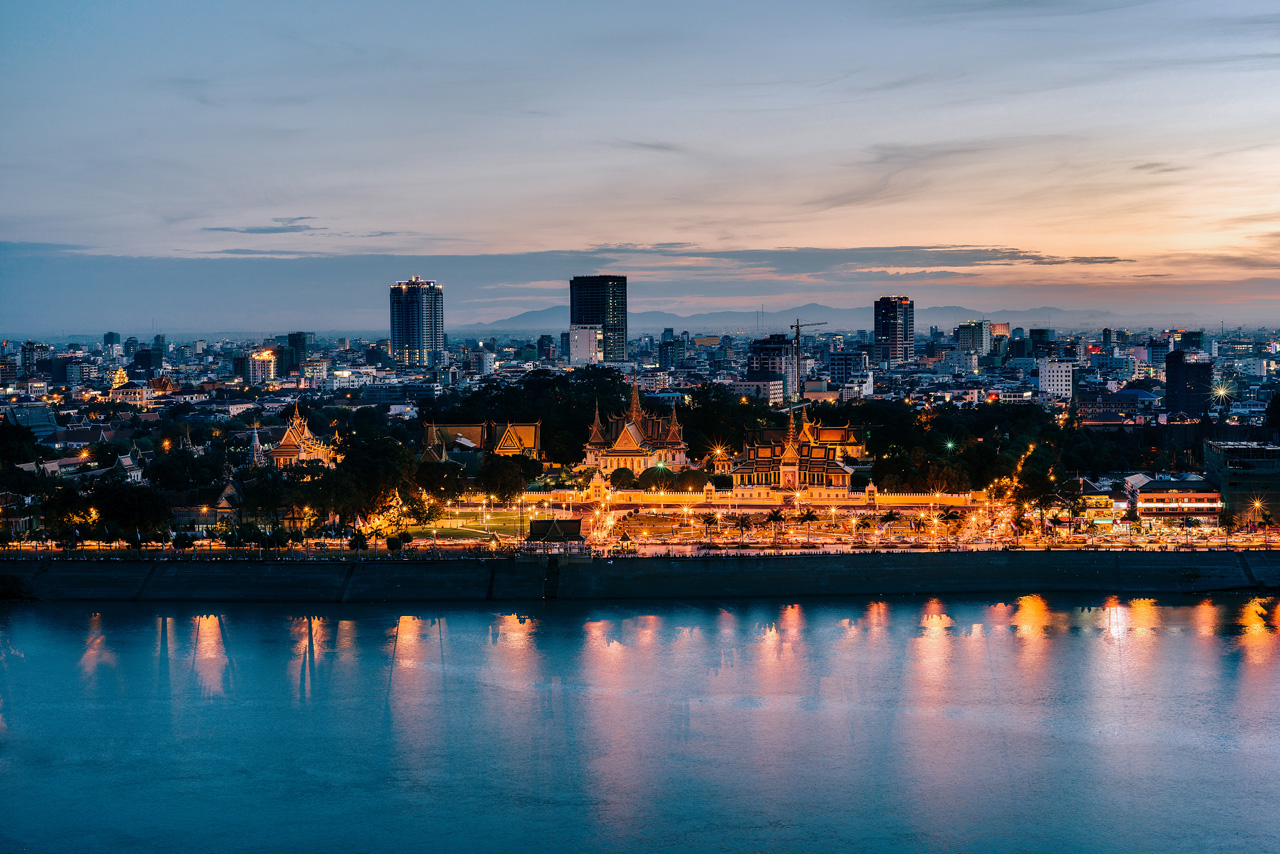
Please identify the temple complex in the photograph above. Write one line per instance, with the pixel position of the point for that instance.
(299, 445)
(797, 463)
(843, 441)
(636, 440)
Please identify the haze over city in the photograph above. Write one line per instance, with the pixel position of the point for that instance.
(270, 166)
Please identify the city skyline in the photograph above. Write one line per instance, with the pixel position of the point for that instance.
(1019, 155)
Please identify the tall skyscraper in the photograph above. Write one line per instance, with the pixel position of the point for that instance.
(417, 323)
(601, 301)
(110, 340)
(895, 333)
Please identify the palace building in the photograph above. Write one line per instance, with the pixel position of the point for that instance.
(636, 440)
(842, 441)
(795, 464)
(299, 445)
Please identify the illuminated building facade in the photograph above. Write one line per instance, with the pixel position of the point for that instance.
(417, 323)
(636, 440)
(260, 367)
(895, 329)
(299, 445)
(797, 463)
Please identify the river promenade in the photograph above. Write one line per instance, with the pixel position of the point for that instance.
(585, 578)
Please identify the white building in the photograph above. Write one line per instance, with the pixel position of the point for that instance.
(769, 390)
(1057, 377)
(586, 344)
(858, 385)
(262, 367)
(960, 361)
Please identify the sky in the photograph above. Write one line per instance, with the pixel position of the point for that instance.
(267, 166)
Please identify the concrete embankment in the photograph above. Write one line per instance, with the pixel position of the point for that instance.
(639, 578)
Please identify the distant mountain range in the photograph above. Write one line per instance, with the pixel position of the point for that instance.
(556, 319)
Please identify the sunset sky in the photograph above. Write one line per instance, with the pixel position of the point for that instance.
(255, 165)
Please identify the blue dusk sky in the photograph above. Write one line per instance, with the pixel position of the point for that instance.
(264, 166)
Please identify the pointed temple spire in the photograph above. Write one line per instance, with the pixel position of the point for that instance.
(255, 447)
(597, 427)
(636, 415)
(673, 434)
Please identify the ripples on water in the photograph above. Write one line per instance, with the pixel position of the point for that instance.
(909, 725)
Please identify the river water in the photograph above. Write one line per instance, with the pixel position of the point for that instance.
(962, 724)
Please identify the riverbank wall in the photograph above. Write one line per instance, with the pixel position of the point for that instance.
(525, 578)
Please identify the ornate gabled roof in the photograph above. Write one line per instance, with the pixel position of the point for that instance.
(631, 439)
(299, 443)
(517, 438)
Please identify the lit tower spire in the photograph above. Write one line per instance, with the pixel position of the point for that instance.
(636, 415)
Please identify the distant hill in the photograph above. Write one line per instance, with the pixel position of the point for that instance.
(556, 319)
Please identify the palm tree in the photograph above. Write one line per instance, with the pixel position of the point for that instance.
(863, 524)
(708, 519)
(743, 523)
(774, 518)
(807, 517)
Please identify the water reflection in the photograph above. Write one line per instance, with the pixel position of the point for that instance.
(96, 654)
(1205, 617)
(917, 724)
(1257, 638)
(208, 655)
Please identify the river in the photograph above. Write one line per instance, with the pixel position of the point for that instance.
(912, 724)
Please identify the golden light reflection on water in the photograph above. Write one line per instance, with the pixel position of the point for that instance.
(1257, 639)
(616, 671)
(96, 652)
(512, 651)
(208, 655)
(1205, 618)
(644, 629)
(727, 635)
(931, 654)
(876, 618)
(934, 619)
(1145, 617)
(345, 642)
(1114, 618)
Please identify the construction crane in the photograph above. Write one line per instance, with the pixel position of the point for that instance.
(797, 326)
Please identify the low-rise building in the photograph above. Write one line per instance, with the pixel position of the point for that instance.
(1247, 474)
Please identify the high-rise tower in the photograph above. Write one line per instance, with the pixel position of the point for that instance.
(895, 333)
(417, 323)
(601, 301)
